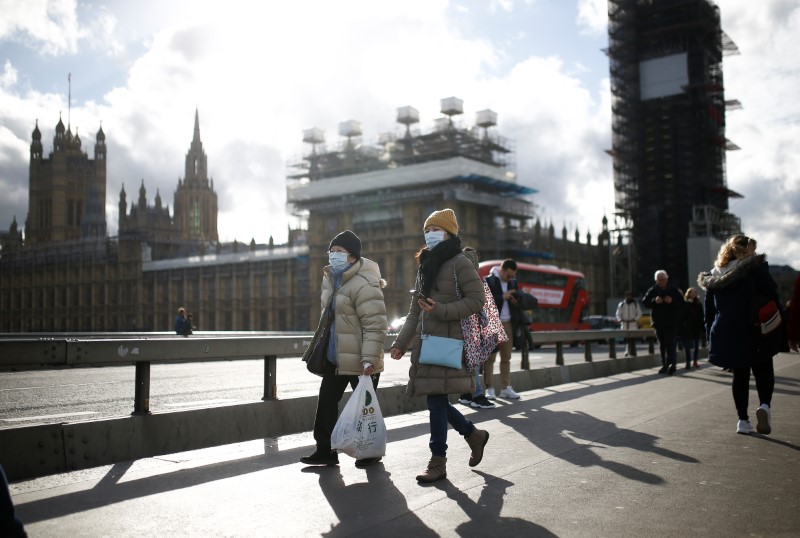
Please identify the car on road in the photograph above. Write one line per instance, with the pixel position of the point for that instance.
(599, 323)
(396, 324)
(604, 323)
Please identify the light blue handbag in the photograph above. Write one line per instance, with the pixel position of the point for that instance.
(441, 351)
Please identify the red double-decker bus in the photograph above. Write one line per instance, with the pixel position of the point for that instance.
(561, 294)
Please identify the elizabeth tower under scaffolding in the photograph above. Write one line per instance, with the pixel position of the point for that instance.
(668, 123)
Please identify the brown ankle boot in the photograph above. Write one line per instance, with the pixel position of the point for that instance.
(436, 470)
(476, 441)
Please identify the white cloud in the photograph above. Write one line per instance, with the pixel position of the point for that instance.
(592, 16)
(260, 73)
(764, 79)
(9, 76)
(51, 26)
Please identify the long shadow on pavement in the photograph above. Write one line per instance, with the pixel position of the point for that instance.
(108, 491)
(484, 514)
(366, 505)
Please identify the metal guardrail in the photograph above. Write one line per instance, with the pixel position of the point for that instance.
(559, 338)
(21, 351)
(41, 449)
(18, 353)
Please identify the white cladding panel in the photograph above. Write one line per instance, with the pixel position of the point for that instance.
(661, 77)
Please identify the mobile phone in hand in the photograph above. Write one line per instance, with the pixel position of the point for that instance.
(418, 295)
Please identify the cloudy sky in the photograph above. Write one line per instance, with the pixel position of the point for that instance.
(261, 72)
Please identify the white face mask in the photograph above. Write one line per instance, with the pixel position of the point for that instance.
(433, 238)
(338, 260)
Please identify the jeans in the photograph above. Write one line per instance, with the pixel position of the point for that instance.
(691, 346)
(330, 393)
(478, 387)
(441, 414)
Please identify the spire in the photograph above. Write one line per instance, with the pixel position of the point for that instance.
(196, 137)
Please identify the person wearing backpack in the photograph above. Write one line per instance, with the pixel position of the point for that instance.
(476, 399)
(503, 285)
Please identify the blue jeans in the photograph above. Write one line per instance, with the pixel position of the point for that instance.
(442, 414)
(689, 345)
(478, 388)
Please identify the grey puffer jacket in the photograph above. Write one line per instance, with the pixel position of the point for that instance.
(360, 316)
(445, 320)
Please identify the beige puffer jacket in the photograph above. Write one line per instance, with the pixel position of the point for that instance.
(360, 316)
(445, 320)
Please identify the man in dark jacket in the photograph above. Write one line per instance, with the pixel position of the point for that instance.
(665, 302)
(503, 285)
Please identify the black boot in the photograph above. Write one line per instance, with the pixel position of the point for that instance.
(321, 457)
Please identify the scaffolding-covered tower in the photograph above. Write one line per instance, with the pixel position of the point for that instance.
(384, 192)
(668, 127)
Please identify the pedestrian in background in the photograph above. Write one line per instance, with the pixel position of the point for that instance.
(628, 312)
(734, 335)
(503, 285)
(444, 274)
(181, 324)
(476, 399)
(692, 327)
(352, 292)
(665, 302)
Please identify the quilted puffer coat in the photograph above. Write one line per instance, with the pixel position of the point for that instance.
(360, 316)
(445, 320)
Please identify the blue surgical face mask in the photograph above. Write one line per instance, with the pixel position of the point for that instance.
(433, 238)
(338, 260)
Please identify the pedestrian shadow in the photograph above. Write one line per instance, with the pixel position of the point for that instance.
(109, 490)
(787, 444)
(571, 427)
(484, 514)
(363, 506)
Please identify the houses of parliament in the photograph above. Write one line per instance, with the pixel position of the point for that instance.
(64, 273)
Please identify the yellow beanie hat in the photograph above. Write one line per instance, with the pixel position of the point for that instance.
(445, 219)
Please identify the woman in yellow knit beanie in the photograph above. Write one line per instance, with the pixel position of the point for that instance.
(445, 219)
(447, 289)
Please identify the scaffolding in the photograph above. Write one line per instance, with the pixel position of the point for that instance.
(446, 140)
(668, 134)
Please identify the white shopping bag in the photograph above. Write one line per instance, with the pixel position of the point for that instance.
(360, 431)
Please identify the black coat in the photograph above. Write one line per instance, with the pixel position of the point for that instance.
(497, 294)
(693, 323)
(734, 338)
(665, 316)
